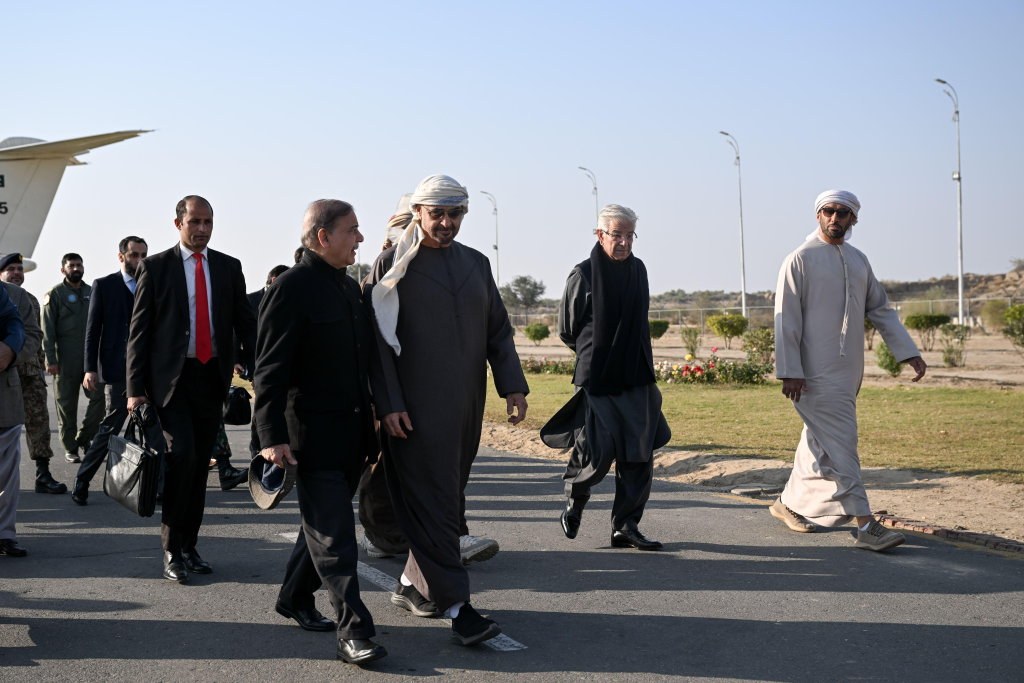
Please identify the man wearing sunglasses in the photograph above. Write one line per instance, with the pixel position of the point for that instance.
(429, 388)
(615, 415)
(826, 289)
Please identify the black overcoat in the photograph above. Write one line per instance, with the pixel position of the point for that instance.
(312, 363)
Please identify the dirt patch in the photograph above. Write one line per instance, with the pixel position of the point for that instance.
(961, 503)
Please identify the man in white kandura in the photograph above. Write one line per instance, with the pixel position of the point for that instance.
(826, 289)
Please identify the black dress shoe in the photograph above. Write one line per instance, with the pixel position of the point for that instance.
(194, 563)
(309, 619)
(174, 567)
(232, 478)
(571, 519)
(80, 492)
(470, 627)
(45, 483)
(72, 458)
(628, 538)
(360, 651)
(10, 547)
(408, 598)
(159, 497)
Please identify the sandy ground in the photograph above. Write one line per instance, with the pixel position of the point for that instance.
(992, 361)
(961, 503)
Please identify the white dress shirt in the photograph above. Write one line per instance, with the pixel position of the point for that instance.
(129, 281)
(189, 263)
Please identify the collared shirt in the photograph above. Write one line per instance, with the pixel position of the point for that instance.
(129, 281)
(189, 262)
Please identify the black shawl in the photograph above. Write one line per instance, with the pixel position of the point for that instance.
(620, 297)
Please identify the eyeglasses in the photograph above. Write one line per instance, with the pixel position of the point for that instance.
(619, 237)
(454, 214)
(840, 213)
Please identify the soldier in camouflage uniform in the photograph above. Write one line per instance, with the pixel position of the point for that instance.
(33, 390)
(65, 311)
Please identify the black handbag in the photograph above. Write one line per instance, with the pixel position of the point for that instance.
(237, 409)
(133, 463)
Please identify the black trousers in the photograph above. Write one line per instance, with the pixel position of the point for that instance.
(112, 423)
(190, 422)
(326, 552)
(632, 485)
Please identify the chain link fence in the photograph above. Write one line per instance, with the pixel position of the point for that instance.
(765, 315)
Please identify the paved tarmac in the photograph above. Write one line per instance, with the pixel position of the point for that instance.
(734, 596)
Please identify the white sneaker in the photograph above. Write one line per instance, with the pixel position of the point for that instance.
(475, 549)
(371, 549)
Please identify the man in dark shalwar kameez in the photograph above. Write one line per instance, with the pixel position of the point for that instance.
(615, 415)
(429, 383)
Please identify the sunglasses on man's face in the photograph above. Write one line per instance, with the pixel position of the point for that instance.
(840, 213)
(454, 214)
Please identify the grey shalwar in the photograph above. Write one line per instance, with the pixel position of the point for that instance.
(451, 324)
(824, 293)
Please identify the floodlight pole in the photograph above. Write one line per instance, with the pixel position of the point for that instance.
(743, 263)
(959, 198)
(497, 266)
(597, 210)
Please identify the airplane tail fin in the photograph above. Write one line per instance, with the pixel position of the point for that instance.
(30, 172)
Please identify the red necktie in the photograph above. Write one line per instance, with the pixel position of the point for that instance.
(204, 347)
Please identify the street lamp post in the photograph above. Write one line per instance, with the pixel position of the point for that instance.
(959, 198)
(497, 266)
(597, 211)
(743, 263)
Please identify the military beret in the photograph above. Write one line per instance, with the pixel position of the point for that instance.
(8, 259)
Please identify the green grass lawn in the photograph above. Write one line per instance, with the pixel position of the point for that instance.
(960, 431)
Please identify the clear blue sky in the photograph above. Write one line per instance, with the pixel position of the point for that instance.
(264, 107)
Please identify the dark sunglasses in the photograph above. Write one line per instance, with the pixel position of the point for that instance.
(840, 213)
(454, 214)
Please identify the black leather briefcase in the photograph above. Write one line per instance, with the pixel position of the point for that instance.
(237, 409)
(133, 462)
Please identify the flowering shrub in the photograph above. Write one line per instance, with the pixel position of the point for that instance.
(712, 371)
(544, 366)
(760, 345)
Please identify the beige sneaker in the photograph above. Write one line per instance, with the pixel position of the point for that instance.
(876, 537)
(791, 519)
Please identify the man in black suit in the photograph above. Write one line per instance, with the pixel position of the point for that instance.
(188, 302)
(313, 409)
(106, 347)
(255, 299)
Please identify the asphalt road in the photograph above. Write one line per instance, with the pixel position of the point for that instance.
(734, 596)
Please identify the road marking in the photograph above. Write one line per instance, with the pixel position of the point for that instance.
(376, 576)
(501, 643)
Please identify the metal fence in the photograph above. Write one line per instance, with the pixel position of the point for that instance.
(765, 315)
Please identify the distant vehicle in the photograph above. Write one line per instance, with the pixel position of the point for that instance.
(30, 171)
